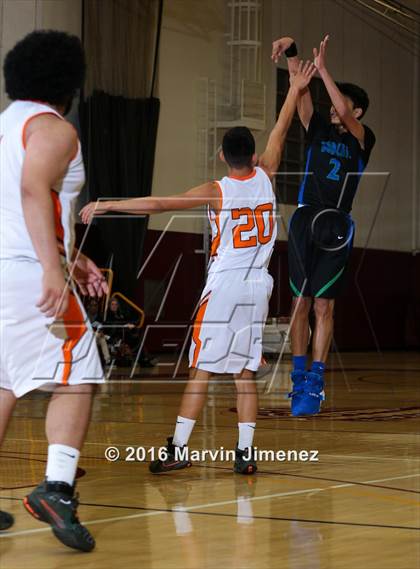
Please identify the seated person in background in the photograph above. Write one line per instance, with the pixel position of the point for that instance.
(96, 322)
(124, 335)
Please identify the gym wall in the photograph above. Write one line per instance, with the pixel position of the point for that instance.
(362, 50)
(19, 17)
(381, 306)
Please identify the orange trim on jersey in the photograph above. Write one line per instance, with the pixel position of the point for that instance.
(25, 126)
(59, 229)
(216, 241)
(247, 177)
(197, 328)
(75, 326)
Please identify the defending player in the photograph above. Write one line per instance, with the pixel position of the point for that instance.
(233, 308)
(46, 340)
(321, 230)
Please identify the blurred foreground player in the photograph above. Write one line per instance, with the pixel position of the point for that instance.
(321, 230)
(46, 340)
(227, 333)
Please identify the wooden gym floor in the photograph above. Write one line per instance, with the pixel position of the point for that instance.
(358, 506)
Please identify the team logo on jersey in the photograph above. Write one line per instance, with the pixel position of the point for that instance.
(338, 149)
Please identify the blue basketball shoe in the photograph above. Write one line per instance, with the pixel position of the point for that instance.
(307, 394)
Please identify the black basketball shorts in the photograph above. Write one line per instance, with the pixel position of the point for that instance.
(320, 243)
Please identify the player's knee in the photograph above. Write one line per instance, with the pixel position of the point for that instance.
(302, 306)
(324, 308)
(245, 378)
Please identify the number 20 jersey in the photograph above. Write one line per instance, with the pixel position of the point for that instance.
(245, 229)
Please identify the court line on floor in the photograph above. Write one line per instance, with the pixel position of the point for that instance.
(251, 517)
(278, 427)
(207, 505)
(303, 520)
(352, 456)
(320, 478)
(6, 453)
(261, 473)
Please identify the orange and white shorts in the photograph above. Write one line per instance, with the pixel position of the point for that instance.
(35, 351)
(228, 329)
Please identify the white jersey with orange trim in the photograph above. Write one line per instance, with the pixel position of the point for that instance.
(245, 229)
(228, 328)
(15, 240)
(37, 352)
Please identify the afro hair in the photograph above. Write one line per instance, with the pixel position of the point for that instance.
(356, 94)
(47, 66)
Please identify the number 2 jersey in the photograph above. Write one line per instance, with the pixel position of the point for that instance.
(245, 229)
(334, 164)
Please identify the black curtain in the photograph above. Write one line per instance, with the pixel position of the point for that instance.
(118, 140)
(118, 121)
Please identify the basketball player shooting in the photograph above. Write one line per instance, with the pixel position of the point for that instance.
(233, 308)
(321, 230)
(46, 340)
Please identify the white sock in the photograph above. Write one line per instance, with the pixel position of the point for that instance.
(246, 435)
(183, 431)
(62, 463)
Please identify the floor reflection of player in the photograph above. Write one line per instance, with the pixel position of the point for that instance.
(245, 536)
(190, 547)
(305, 545)
(193, 545)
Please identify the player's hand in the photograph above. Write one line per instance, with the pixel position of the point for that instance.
(319, 56)
(303, 75)
(55, 294)
(279, 47)
(91, 209)
(87, 276)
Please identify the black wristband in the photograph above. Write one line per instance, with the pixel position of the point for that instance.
(291, 51)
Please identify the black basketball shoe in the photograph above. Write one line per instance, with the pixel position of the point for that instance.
(6, 520)
(56, 504)
(245, 462)
(171, 462)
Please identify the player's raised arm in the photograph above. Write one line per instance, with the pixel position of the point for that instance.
(271, 157)
(50, 145)
(206, 194)
(348, 116)
(287, 46)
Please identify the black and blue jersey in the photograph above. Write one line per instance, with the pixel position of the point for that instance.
(334, 163)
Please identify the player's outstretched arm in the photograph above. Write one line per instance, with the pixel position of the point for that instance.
(270, 159)
(50, 146)
(287, 46)
(337, 99)
(206, 194)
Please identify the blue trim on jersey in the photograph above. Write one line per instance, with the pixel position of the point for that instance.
(302, 185)
(349, 244)
(360, 169)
